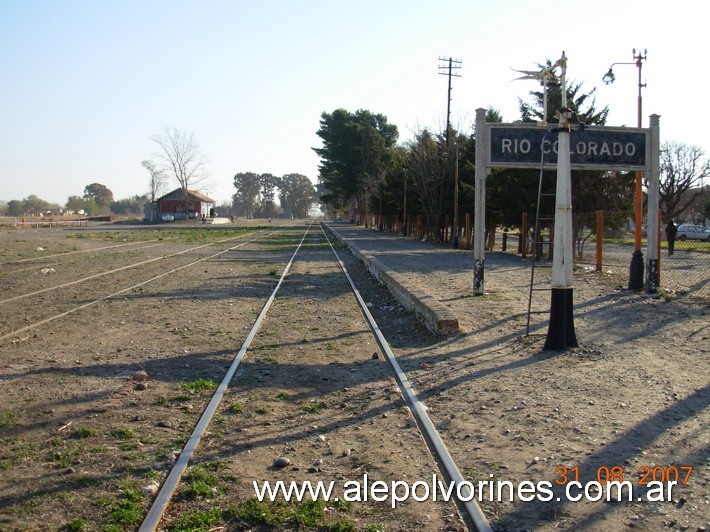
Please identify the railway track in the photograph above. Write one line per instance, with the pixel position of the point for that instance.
(114, 282)
(315, 384)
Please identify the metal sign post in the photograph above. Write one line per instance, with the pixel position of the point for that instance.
(560, 332)
(479, 210)
(652, 221)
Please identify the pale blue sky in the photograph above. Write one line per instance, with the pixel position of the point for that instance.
(84, 85)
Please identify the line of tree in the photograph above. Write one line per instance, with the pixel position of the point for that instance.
(256, 193)
(97, 199)
(362, 164)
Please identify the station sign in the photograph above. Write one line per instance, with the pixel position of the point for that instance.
(594, 148)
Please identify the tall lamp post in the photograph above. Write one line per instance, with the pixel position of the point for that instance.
(636, 268)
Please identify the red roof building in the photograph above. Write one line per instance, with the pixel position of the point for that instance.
(179, 205)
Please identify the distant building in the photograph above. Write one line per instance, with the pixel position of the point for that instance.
(178, 206)
(345, 213)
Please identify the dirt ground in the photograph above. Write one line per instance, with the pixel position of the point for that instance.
(84, 439)
(635, 394)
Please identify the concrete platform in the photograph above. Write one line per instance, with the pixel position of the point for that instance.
(364, 243)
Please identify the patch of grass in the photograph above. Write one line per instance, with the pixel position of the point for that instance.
(64, 458)
(234, 408)
(85, 432)
(11, 456)
(342, 506)
(198, 386)
(135, 456)
(7, 420)
(198, 520)
(282, 396)
(265, 513)
(182, 438)
(101, 449)
(274, 514)
(261, 410)
(314, 408)
(273, 271)
(309, 513)
(75, 525)
(123, 434)
(128, 510)
(215, 465)
(271, 359)
(200, 482)
(182, 398)
(342, 525)
(152, 474)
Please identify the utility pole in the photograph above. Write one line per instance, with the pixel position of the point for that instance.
(447, 69)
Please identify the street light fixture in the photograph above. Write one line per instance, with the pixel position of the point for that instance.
(636, 268)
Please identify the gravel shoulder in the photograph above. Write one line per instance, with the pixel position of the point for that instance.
(82, 438)
(635, 394)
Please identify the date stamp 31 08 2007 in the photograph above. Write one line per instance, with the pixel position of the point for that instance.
(651, 480)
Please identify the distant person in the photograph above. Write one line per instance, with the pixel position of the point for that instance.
(671, 231)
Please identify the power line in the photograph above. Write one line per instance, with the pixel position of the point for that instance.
(448, 68)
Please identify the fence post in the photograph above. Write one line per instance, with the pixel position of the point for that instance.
(658, 273)
(600, 238)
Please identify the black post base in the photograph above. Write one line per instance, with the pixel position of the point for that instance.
(478, 277)
(560, 332)
(636, 271)
(652, 276)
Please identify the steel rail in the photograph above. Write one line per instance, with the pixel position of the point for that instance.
(473, 511)
(114, 294)
(160, 504)
(40, 257)
(73, 260)
(115, 270)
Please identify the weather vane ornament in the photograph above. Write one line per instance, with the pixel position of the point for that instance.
(546, 76)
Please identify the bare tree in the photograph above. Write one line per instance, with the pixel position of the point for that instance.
(157, 179)
(426, 166)
(181, 157)
(683, 169)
